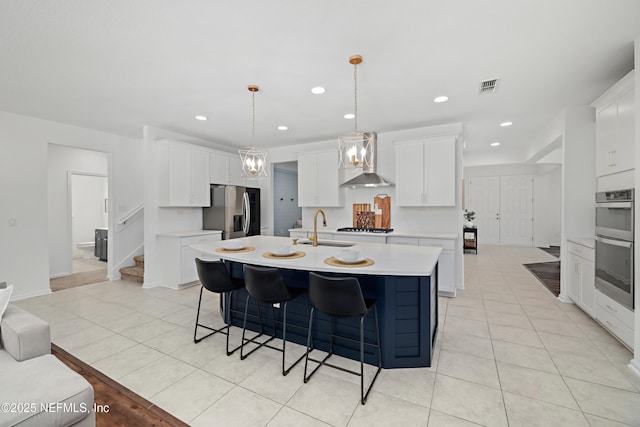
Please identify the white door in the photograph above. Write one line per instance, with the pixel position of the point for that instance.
(484, 200)
(504, 209)
(516, 210)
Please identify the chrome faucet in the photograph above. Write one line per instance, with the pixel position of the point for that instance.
(314, 238)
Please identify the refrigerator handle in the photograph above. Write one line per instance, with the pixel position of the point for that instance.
(246, 211)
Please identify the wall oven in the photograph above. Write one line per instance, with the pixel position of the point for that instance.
(615, 245)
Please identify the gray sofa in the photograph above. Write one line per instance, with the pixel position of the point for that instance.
(36, 389)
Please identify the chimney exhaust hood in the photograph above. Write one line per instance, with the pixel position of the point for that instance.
(368, 178)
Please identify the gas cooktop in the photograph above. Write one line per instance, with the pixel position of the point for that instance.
(366, 230)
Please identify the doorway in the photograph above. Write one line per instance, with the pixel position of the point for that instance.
(89, 212)
(504, 208)
(286, 212)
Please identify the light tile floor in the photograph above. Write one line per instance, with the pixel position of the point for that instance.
(508, 353)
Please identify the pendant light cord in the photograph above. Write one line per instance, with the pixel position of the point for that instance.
(355, 79)
(253, 119)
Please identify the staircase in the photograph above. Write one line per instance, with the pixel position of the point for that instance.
(134, 273)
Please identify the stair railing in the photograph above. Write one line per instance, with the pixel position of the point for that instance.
(135, 211)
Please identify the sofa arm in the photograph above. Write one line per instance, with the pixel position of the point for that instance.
(24, 336)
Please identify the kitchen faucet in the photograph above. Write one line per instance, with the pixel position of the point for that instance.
(314, 238)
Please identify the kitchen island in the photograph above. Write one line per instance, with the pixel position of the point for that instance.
(403, 280)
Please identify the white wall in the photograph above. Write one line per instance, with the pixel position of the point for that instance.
(61, 161)
(24, 247)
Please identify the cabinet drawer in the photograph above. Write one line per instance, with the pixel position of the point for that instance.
(438, 243)
(581, 251)
(615, 309)
(396, 240)
(614, 325)
(193, 240)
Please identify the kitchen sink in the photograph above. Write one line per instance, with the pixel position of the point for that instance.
(337, 243)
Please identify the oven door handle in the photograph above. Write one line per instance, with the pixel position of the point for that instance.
(620, 243)
(615, 205)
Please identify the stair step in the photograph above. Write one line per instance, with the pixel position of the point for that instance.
(139, 260)
(132, 274)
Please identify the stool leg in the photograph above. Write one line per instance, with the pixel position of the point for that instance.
(244, 328)
(228, 317)
(284, 342)
(362, 398)
(198, 316)
(306, 359)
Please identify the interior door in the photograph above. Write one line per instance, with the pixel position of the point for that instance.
(484, 200)
(516, 210)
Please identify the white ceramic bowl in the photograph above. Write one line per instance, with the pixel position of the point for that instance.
(283, 250)
(349, 255)
(234, 244)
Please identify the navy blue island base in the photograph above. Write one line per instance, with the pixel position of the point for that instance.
(407, 308)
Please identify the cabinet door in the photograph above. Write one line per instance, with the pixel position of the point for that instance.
(307, 180)
(199, 194)
(440, 173)
(588, 287)
(574, 278)
(446, 272)
(235, 170)
(625, 132)
(605, 140)
(410, 174)
(218, 168)
(327, 180)
(179, 175)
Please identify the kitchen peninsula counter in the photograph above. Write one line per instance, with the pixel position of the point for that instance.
(403, 281)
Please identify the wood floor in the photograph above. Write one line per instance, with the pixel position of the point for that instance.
(548, 273)
(126, 408)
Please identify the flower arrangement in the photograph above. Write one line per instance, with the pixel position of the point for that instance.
(469, 215)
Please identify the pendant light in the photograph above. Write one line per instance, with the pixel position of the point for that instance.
(254, 160)
(356, 148)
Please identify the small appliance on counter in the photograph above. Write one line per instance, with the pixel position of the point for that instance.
(235, 210)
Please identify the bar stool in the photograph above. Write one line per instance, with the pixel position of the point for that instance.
(341, 298)
(214, 278)
(266, 285)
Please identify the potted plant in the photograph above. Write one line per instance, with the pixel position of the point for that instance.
(469, 216)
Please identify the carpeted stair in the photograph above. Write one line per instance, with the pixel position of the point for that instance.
(134, 273)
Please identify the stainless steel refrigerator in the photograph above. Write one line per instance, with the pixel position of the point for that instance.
(234, 210)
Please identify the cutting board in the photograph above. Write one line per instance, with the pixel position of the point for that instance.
(383, 204)
(357, 208)
(365, 220)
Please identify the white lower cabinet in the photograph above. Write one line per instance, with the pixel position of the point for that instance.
(581, 276)
(177, 257)
(446, 262)
(616, 318)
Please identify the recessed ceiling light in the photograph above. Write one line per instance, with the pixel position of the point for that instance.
(495, 144)
(505, 124)
(318, 90)
(441, 99)
(282, 128)
(201, 118)
(349, 116)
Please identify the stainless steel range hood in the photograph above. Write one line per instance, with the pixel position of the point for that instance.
(368, 178)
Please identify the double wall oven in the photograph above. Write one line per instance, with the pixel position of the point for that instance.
(614, 245)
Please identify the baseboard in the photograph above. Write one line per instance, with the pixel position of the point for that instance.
(563, 298)
(30, 295)
(634, 366)
(55, 276)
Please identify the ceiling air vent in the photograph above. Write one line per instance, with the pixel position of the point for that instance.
(488, 86)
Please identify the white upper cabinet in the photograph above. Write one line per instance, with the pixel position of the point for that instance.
(615, 128)
(318, 180)
(183, 174)
(225, 169)
(426, 172)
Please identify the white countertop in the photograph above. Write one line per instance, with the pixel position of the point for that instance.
(588, 242)
(394, 233)
(189, 233)
(392, 260)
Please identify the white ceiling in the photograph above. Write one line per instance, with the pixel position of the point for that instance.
(117, 65)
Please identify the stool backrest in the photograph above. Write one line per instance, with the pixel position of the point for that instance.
(214, 277)
(265, 284)
(337, 296)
